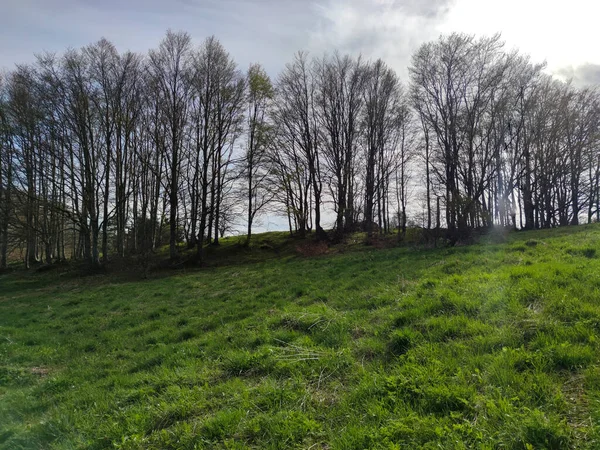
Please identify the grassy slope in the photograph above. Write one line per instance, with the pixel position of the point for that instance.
(491, 345)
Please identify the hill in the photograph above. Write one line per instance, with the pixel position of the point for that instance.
(492, 345)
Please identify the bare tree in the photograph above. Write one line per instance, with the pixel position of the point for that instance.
(296, 114)
(383, 96)
(255, 171)
(340, 84)
(168, 66)
(218, 95)
(6, 168)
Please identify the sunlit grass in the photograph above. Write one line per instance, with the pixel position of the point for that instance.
(493, 345)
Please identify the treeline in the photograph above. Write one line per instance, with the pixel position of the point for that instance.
(106, 154)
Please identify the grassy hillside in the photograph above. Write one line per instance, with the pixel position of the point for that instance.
(494, 345)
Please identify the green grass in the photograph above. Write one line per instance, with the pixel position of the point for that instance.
(494, 345)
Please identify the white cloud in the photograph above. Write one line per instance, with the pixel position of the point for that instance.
(582, 75)
(387, 29)
(560, 32)
(270, 31)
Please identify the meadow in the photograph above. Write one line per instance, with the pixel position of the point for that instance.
(489, 345)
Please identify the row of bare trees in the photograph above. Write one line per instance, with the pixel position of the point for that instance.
(504, 142)
(106, 154)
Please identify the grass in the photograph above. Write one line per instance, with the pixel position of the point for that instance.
(493, 345)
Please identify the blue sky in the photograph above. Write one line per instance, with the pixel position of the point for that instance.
(270, 31)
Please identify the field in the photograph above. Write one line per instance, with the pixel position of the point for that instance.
(491, 345)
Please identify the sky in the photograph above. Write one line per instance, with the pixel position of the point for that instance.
(565, 34)
(562, 33)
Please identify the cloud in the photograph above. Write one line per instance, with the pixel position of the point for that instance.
(560, 32)
(387, 29)
(265, 31)
(271, 31)
(583, 75)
